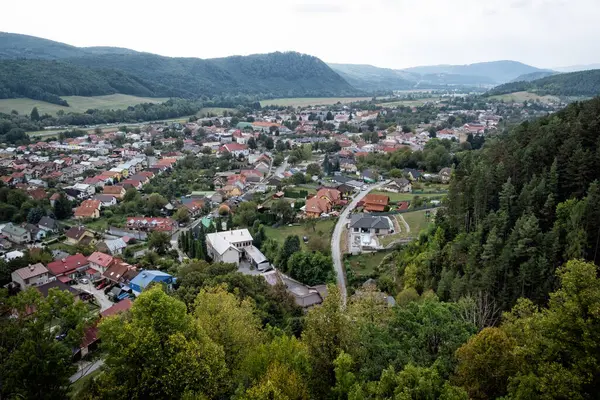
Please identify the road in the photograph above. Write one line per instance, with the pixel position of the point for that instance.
(336, 238)
(85, 368)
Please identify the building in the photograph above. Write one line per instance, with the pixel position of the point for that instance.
(401, 185)
(100, 261)
(305, 296)
(235, 149)
(374, 225)
(150, 224)
(116, 190)
(79, 235)
(228, 246)
(145, 278)
(16, 234)
(48, 224)
(88, 209)
(376, 202)
(323, 202)
(69, 268)
(112, 246)
(90, 336)
(32, 275)
(106, 200)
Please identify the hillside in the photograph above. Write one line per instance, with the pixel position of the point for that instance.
(44, 70)
(584, 83)
(497, 71)
(369, 77)
(533, 76)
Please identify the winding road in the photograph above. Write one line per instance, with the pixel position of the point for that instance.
(336, 253)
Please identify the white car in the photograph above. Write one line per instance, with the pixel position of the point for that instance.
(84, 281)
(365, 187)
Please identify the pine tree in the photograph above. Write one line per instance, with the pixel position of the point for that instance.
(35, 115)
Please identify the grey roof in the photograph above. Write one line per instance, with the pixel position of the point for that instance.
(104, 198)
(367, 221)
(401, 181)
(48, 223)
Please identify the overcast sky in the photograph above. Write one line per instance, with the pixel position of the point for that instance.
(385, 33)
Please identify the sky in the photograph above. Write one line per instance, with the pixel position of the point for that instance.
(385, 33)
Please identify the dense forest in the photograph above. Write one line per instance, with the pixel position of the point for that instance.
(46, 70)
(583, 83)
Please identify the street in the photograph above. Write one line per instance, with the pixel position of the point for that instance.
(336, 238)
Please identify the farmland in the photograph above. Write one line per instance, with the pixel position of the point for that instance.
(76, 103)
(310, 101)
(519, 97)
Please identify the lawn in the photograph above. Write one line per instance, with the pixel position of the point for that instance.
(64, 247)
(416, 220)
(214, 111)
(76, 103)
(519, 97)
(323, 228)
(364, 264)
(310, 101)
(395, 197)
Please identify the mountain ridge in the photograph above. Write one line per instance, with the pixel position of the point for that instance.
(582, 83)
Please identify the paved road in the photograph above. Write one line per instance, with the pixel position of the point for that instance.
(336, 238)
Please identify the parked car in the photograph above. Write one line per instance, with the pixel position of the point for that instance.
(85, 281)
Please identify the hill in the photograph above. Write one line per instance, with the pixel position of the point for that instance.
(45, 70)
(584, 83)
(496, 71)
(577, 68)
(369, 77)
(532, 76)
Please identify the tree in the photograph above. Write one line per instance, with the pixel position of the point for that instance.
(35, 115)
(35, 214)
(131, 195)
(161, 348)
(313, 169)
(312, 268)
(283, 210)
(155, 203)
(291, 245)
(34, 364)
(159, 241)
(182, 215)
(245, 214)
(62, 207)
(252, 144)
(269, 144)
(329, 116)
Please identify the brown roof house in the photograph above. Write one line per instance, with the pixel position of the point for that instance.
(79, 235)
(322, 202)
(88, 209)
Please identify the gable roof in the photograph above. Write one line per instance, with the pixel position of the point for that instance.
(12, 229)
(68, 265)
(377, 199)
(31, 271)
(366, 221)
(76, 232)
(48, 223)
(101, 259)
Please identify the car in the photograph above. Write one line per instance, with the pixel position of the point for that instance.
(85, 281)
(365, 187)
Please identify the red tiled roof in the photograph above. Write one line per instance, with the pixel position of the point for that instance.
(67, 265)
(101, 259)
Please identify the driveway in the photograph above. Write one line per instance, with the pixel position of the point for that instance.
(101, 298)
(336, 253)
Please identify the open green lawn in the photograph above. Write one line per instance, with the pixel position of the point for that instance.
(519, 97)
(364, 264)
(213, 111)
(323, 228)
(395, 197)
(76, 103)
(416, 220)
(310, 101)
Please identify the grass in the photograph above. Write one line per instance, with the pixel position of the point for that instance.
(78, 385)
(418, 221)
(323, 228)
(364, 264)
(395, 197)
(214, 111)
(406, 103)
(64, 247)
(310, 101)
(519, 97)
(76, 103)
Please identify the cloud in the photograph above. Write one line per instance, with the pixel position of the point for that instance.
(520, 4)
(319, 8)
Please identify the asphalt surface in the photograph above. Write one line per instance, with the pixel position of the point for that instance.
(336, 238)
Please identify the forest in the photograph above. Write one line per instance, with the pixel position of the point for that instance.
(583, 83)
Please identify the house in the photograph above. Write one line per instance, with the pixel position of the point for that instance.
(145, 278)
(116, 190)
(376, 202)
(369, 176)
(48, 224)
(194, 207)
(304, 296)
(57, 284)
(322, 203)
(150, 224)
(412, 174)
(106, 200)
(69, 268)
(88, 209)
(445, 174)
(35, 232)
(235, 149)
(119, 272)
(79, 235)
(16, 234)
(32, 275)
(374, 225)
(85, 189)
(90, 335)
(112, 246)
(100, 261)
(401, 185)
(228, 246)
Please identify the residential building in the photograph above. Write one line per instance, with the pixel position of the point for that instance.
(235, 149)
(304, 296)
(48, 224)
(401, 185)
(106, 200)
(88, 209)
(149, 224)
(366, 223)
(100, 261)
(323, 202)
(115, 190)
(16, 234)
(69, 268)
(79, 235)
(145, 278)
(32, 275)
(112, 246)
(376, 202)
(90, 335)
(228, 246)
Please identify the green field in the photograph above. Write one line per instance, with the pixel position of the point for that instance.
(323, 228)
(76, 103)
(519, 97)
(406, 103)
(310, 101)
(364, 264)
(214, 111)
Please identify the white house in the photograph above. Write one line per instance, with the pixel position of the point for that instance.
(235, 149)
(230, 246)
(84, 188)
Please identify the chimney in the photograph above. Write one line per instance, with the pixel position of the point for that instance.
(31, 267)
